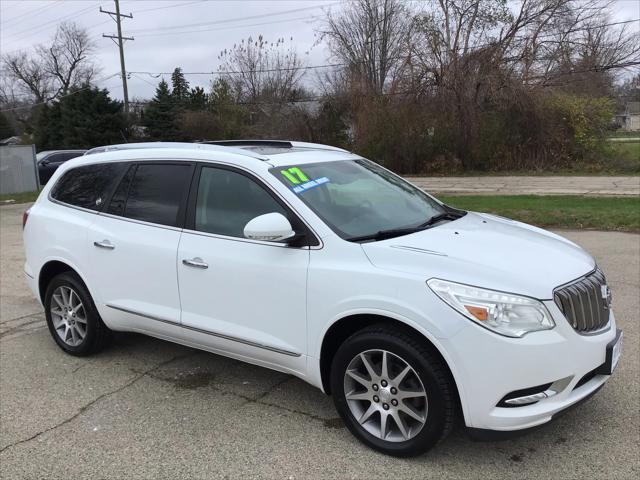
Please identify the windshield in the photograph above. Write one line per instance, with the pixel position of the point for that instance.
(358, 198)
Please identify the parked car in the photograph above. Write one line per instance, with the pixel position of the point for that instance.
(49, 161)
(314, 261)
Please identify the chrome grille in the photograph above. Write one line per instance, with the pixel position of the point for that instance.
(584, 302)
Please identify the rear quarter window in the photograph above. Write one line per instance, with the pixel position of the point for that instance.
(87, 186)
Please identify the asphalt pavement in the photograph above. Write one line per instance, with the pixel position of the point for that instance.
(145, 408)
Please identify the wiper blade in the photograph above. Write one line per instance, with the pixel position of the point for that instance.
(441, 216)
(384, 234)
(397, 232)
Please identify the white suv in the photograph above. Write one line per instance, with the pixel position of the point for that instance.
(316, 262)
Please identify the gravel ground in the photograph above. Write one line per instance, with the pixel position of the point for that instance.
(151, 409)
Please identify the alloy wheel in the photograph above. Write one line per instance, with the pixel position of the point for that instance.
(68, 316)
(385, 395)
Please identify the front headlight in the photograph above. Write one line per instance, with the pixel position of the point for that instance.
(504, 313)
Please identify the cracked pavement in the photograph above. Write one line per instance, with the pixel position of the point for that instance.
(145, 408)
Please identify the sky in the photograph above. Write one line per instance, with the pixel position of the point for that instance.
(181, 33)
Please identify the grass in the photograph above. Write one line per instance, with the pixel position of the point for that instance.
(631, 149)
(566, 211)
(623, 134)
(571, 212)
(25, 197)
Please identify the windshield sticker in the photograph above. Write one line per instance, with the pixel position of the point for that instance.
(310, 184)
(295, 175)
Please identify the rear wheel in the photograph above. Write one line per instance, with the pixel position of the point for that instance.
(393, 393)
(72, 318)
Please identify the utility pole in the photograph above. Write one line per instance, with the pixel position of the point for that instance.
(119, 40)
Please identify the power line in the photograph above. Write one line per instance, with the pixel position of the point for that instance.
(264, 70)
(38, 28)
(285, 20)
(31, 105)
(321, 97)
(230, 20)
(183, 4)
(30, 13)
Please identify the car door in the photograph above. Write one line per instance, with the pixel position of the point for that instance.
(134, 241)
(50, 164)
(241, 297)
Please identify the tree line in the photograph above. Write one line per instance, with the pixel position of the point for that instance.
(443, 86)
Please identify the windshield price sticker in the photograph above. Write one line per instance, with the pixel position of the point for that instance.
(310, 184)
(300, 179)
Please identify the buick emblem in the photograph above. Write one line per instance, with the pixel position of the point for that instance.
(606, 295)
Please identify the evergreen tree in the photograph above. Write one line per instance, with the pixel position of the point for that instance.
(180, 87)
(6, 130)
(161, 115)
(85, 118)
(230, 115)
(197, 99)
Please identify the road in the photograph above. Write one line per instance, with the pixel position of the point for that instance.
(145, 408)
(530, 185)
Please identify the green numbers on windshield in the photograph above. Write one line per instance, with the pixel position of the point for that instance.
(294, 175)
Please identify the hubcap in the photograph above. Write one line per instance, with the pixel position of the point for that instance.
(385, 395)
(68, 316)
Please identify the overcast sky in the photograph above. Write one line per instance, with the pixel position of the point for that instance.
(185, 33)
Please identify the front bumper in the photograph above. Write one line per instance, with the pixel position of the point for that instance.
(489, 366)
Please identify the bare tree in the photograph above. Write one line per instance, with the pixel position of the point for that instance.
(370, 37)
(259, 70)
(48, 72)
(29, 75)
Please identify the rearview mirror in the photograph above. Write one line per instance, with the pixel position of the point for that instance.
(270, 227)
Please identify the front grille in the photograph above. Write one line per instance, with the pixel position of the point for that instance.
(584, 302)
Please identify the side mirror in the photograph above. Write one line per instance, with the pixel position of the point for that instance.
(270, 227)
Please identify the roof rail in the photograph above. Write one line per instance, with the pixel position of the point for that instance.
(268, 144)
(177, 145)
(250, 143)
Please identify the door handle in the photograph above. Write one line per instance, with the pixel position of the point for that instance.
(106, 244)
(195, 262)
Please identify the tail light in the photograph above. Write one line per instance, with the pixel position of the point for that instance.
(25, 217)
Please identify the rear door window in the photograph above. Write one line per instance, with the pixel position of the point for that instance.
(156, 193)
(87, 186)
(69, 155)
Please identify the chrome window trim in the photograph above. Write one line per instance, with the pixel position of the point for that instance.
(206, 163)
(244, 240)
(75, 207)
(140, 222)
(208, 332)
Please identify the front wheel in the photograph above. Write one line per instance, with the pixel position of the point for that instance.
(393, 393)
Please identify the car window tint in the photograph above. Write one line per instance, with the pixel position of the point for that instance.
(156, 193)
(119, 198)
(227, 200)
(68, 156)
(56, 158)
(87, 186)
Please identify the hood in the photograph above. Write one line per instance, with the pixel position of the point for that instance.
(486, 251)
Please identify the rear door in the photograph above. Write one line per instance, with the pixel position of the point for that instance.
(134, 243)
(242, 297)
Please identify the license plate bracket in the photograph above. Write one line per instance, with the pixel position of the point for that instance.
(613, 354)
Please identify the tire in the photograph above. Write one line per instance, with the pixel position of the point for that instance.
(427, 373)
(72, 324)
